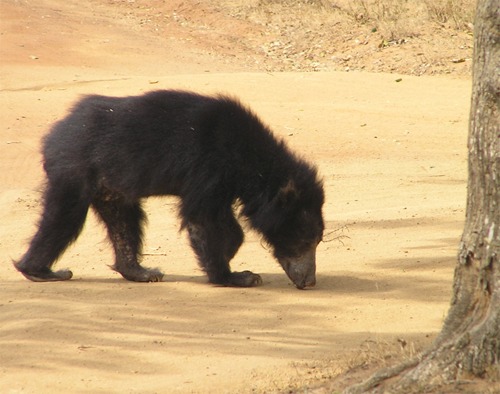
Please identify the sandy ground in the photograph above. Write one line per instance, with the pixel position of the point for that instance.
(393, 158)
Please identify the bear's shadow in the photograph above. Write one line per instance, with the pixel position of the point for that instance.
(271, 282)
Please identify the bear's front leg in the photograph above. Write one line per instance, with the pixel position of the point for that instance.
(244, 279)
(215, 244)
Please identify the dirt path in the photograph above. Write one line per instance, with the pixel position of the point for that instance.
(393, 157)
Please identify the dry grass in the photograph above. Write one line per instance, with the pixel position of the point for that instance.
(318, 376)
(394, 18)
(400, 36)
(402, 18)
(334, 375)
(460, 12)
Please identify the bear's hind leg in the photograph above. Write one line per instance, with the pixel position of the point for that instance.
(65, 210)
(124, 224)
(215, 244)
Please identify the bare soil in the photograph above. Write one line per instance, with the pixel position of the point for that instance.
(391, 148)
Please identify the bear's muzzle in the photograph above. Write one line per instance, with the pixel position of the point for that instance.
(301, 269)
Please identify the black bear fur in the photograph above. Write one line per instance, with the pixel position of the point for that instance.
(110, 153)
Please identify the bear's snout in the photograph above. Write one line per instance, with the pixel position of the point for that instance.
(302, 269)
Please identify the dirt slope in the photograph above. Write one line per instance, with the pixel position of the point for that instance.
(391, 149)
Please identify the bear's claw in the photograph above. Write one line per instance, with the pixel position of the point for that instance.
(45, 275)
(244, 279)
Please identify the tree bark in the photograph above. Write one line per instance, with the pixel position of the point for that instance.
(469, 343)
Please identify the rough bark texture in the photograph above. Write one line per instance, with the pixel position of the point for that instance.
(469, 343)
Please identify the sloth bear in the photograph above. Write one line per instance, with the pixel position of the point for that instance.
(110, 153)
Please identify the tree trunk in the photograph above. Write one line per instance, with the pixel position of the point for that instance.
(469, 343)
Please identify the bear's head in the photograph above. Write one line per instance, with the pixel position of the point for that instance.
(292, 223)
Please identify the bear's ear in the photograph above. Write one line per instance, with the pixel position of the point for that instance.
(287, 194)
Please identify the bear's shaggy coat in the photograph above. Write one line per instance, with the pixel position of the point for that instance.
(110, 153)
